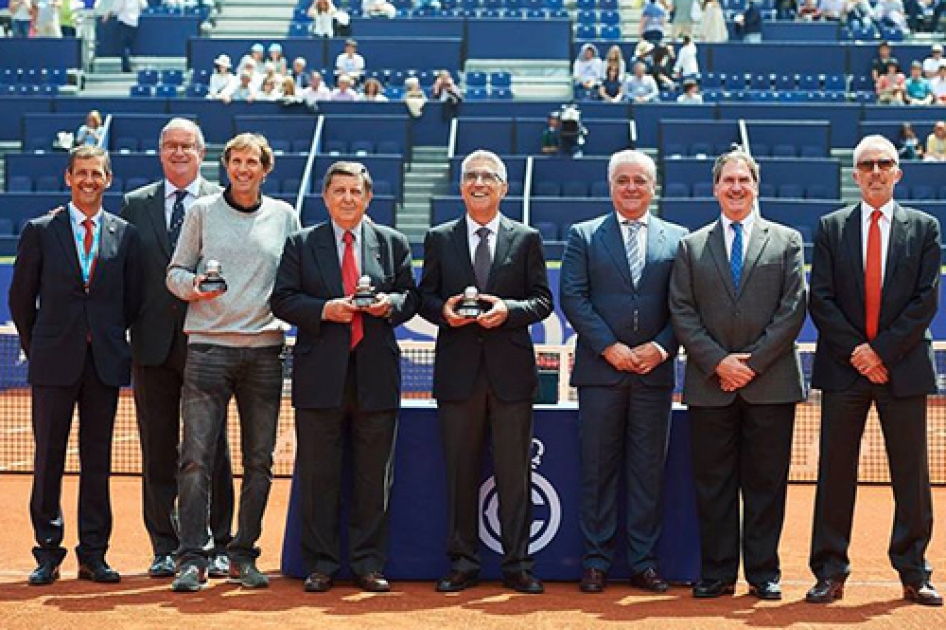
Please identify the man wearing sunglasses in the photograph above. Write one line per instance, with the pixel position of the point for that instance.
(874, 291)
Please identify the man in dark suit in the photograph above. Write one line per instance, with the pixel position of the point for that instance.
(484, 369)
(72, 296)
(159, 350)
(737, 297)
(346, 375)
(615, 275)
(874, 291)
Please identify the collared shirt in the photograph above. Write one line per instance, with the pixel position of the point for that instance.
(641, 232)
(474, 239)
(884, 224)
(193, 192)
(730, 234)
(127, 11)
(357, 233)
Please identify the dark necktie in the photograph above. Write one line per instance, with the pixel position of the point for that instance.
(349, 282)
(735, 256)
(634, 258)
(481, 259)
(177, 218)
(872, 277)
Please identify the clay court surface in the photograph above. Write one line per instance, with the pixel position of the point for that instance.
(872, 599)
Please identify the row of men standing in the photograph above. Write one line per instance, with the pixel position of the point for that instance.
(631, 286)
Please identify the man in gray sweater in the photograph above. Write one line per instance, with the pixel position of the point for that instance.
(234, 348)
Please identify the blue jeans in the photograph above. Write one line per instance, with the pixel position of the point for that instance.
(126, 41)
(21, 28)
(213, 375)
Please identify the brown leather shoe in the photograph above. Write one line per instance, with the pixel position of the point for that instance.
(825, 591)
(649, 580)
(593, 581)
(373, 582)
(457, 581)
(924, 594)
(318, 582)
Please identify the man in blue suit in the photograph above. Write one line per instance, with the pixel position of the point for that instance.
(615, 276)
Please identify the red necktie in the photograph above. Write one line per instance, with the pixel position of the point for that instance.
(872, 277)
(349, 282)
(87, 240)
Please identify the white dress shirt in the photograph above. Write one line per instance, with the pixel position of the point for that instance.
(193, 192)
(884, 224)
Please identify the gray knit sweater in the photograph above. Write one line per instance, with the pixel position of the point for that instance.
(248, 246)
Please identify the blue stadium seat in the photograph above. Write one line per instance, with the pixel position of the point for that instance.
(587, 5)
(166, 91)
(389, 147)
(816, 191)
(126, 145)
(809, 82)
(513, 14)
(500, 79)
(761, 82)
(922, 192)
(280, 145)
(790, 191)
(812, 151)
(711, 80)
(552, 13)
(362, 147)
(587, 17)
(56, 76)
(586, 31)
(835, 82)
(735, 82)
(702, 189)
(784, 151)
(382, 187)
(610, 18)
(785, 82)
(759, 149)
(676, 189)
(493, 4)
(477, 94)
(701, 148)
(336, 147)
(197, 90)
(298, 29)
(674, 149)
(608, 5)
(476, 79)
(20, 183)
(141, 91)
(291, 186)
(610, 33)
(48, 90)
(49, 183)
(600, 189)
(766, 190)
(148, 76)
(490, 13)
(301, 145)
(547, 189)
(500, 94)
(172, 77)
(575, 188)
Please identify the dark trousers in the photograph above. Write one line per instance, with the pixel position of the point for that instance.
(903, 421)
(52, 419)
(126, 41)
(213, 375)
(623, 429)
(158, 407)
(741, 448)
(320, 440)
(464, 428)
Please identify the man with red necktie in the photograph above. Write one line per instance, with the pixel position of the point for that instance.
(73, 295)
(874, 291)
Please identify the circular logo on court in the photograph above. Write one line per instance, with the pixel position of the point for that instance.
(546, 509)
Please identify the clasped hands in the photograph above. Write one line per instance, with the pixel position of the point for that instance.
(342, 310)
(869, 364)
(639, 359)
(734, 371)
(497, 313)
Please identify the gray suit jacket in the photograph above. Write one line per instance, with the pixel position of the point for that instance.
(712, 320)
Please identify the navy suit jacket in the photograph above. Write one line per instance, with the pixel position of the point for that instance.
(55, 315)
(603, 305)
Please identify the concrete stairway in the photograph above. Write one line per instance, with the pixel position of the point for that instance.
(427, 174)
(264, 19)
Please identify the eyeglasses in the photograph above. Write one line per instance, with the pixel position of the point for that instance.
(867, 166)
(487, 177)
(186, 147)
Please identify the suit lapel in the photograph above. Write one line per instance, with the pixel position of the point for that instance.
(371, 254)
(895, 248)
(852, 246)
(656, 242)
(326, 254)
(716, 244)
(612, 239)
(462, 244)
(504, 238)
(157, 219)
(757, 242)
(62, 225)
(108, 247)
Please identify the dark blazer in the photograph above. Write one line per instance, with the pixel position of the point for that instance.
(53, 335)
(910, 297)
(162, 314)
(603, 305)
(310, 275)
(712, 320)
(519, 277)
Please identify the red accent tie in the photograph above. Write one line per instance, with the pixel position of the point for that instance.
(872, 277)
(349, 282)
(87, 245)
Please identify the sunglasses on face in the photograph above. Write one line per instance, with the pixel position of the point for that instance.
(867, 166)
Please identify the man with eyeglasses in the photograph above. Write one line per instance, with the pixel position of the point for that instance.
(159, 351)
(874, 291)
(484, 370)
(615, 276)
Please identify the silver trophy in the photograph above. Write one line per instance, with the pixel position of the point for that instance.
(213, 280)
(470, 304)
(364, 295)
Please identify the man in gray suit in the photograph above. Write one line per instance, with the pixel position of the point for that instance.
(615, 276)
(737, 297)
(159, 348)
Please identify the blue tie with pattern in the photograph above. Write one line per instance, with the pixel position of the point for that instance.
(735, 257)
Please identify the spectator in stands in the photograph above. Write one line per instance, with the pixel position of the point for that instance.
(344, 91)
(269, 91)
(936, 144)
(884, 56)
(860, 15)
(299, 74)
(447, 92)
(748, 24)
(910, 147)
(551, 135)
(323, 14)
(640, 87)
(346, 387)
(127, 13)
(691, 93)
(685, 13)
(915, 11)
(916, 89)
(662, 67)
(687, 64)
(891, 14)
(890, 86)
(47, 18)
(374, 92)
(234, 349)
(276, 59)
(643, 52)
(270, 72)
(92, 131)
(244, 91)
(21, 16)
(414, 97)
(615, 58)
(833, 10)
(379, 9)
(809, 11)
(934, 62)
(222, 81)
(938, 85)
(317, 91)
(289, 93)
(67, 16)
(653, 22)
(588, 68)
(254, 62)
(611, 89)
(713, 28)
(350, 62)
(786, 9)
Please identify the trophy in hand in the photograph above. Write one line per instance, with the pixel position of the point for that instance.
(213, 281)
(470, 304)
(364, 295)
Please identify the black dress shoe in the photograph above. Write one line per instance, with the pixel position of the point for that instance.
(707, 589)
(318, 582)
(771, 591)
(523, 582)
(825, 591)
(98, 571)
(373, 582)
(649, 580)
(593, 581)
(457, 581)
(162, 566)
(924, 594)
(44, 574)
